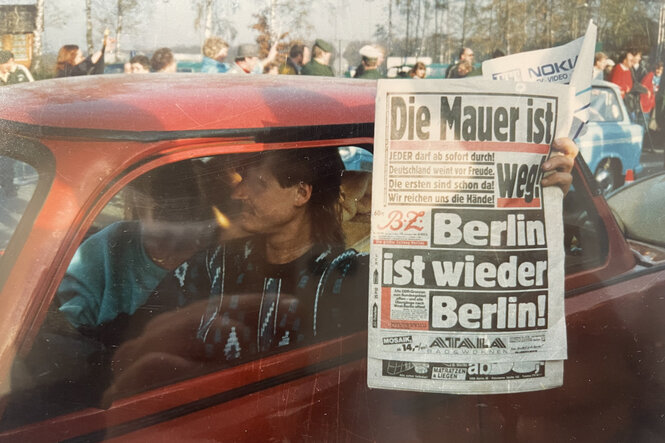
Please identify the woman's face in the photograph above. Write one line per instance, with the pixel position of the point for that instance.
(79, 57)
(420, 72)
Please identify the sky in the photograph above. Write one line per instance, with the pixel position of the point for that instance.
(172, 21)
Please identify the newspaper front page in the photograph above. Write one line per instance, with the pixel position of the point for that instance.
(466, 262)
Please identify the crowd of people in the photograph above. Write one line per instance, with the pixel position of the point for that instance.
(640, 89)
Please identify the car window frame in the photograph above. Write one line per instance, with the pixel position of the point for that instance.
(42, 160)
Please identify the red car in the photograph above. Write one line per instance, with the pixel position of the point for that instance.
(77, 150)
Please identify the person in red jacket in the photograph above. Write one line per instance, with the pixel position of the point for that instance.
(651, 82)
(621, 75)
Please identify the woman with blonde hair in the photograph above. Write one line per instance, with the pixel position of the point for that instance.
(215, 51)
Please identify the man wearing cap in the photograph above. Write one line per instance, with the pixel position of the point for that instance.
(11, 72)
(246, 60)
(369, 65)
(321, 53)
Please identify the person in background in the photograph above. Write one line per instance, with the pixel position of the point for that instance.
(115, 270)
(247, 58)
(621, 74)
(215, 51)
(11, 72)
(651, 82)
(599, 63)
(71, 63)
(461, 69)
(609, 67)
(369, 64)
(319, 65)
(271, 69)
(139, 64)
(639, 71)
(299, 55)
(465, 54)
(163, 61)
(418, 71)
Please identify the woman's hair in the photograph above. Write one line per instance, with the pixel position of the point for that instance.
(66, 56)
(418, 65)
(213, 45)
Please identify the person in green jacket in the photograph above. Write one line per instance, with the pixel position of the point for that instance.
(369, 66)
(321, 53)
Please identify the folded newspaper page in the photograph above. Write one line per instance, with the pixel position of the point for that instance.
(571, 63)
(466, 262)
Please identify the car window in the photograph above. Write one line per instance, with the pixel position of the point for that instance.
(585, 238)
(173, 279)
(18, 182)
(604, 106)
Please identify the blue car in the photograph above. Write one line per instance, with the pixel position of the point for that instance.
(612, 144)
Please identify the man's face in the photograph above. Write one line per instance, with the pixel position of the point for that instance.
(637, 58)
(251, 62)
(306, 56)
(467, 55)
(171, 67)
(79, 57)
(6, 68)
(266, 207)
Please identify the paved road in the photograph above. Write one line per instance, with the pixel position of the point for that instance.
(652, 162)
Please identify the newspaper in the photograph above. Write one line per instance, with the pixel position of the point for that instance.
(466, 261)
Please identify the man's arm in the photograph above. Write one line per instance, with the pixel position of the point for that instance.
(26, 72)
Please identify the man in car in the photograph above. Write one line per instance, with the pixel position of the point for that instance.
(289, 282)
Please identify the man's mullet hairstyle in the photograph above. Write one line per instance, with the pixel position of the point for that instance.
(322, 169)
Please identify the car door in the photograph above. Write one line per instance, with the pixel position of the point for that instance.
(611, 144)
(57, 390)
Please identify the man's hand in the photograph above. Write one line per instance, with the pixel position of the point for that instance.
(560, 164)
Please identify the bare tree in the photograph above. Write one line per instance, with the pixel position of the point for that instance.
(126, 17)
(88, 25)
(214, 17)
(38, 35)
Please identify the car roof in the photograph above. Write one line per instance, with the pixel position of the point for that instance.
(158, 103)
(605, 84)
